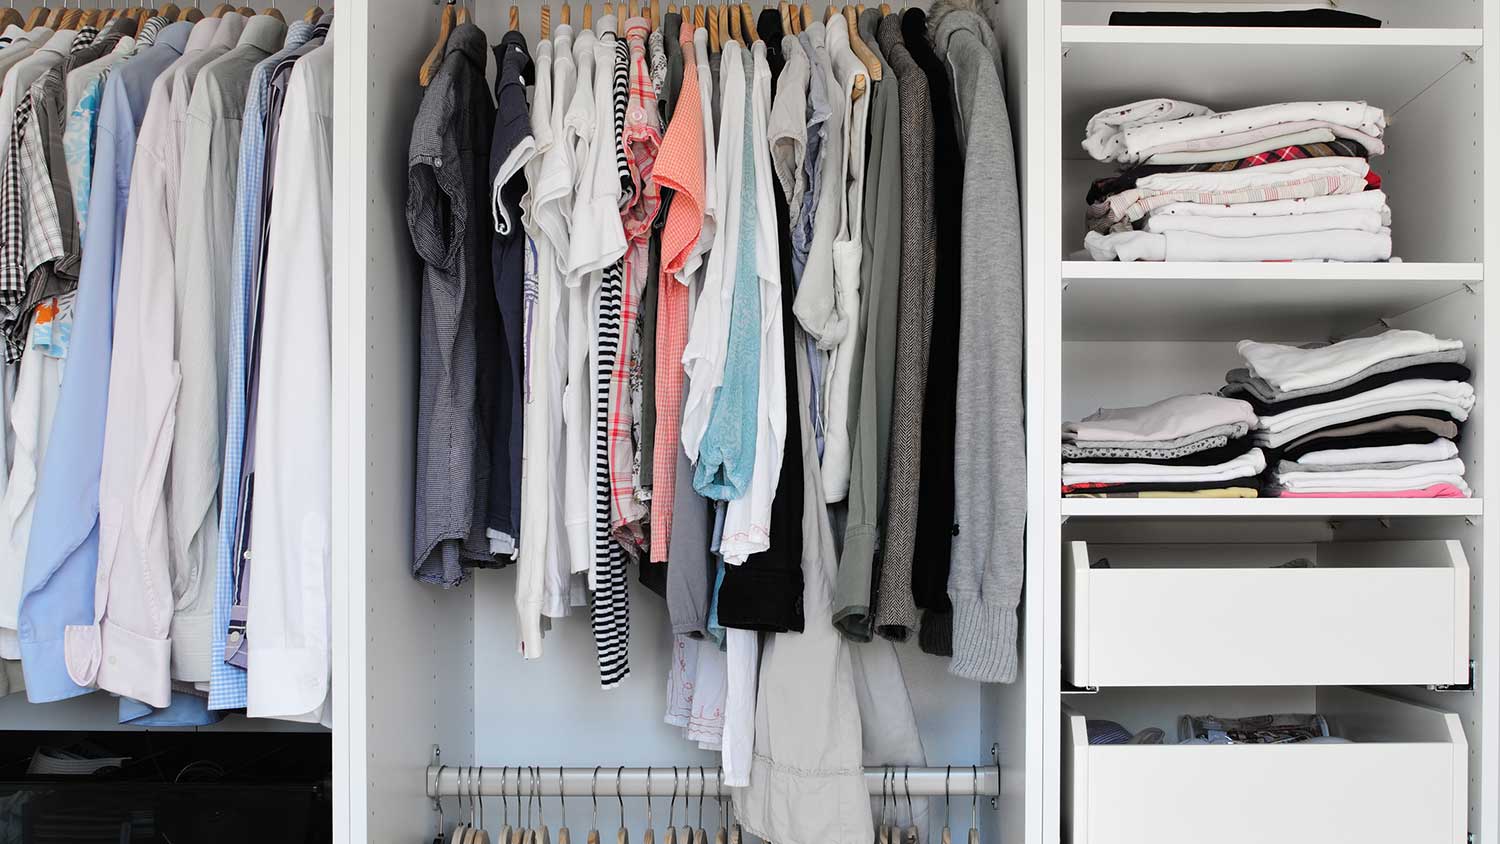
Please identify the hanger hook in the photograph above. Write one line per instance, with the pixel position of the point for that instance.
(906, 783)
(974, 802)
(437, 801)
(719, 792)
(947, 797)
(702, 787)
(620, 794)
(648, 796)
(594, 795)
(562, 797)
(481, 796)
(672, 807)
(541, 805)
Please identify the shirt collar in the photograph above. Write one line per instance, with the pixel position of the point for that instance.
(468, 39)
(202, 34)
(174, 36)
(230, 27)
(264, 33)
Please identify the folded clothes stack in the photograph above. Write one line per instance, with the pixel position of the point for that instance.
(1283, 182)
(1372, 417)
(1182, 447)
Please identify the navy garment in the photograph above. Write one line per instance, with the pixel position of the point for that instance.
(512, 126)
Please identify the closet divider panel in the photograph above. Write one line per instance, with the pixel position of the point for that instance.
(404, 671)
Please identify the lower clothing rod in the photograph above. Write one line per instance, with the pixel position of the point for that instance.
(658, 781)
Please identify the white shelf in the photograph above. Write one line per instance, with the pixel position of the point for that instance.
(1234, 301)
(1276, 36)
(1269, 508)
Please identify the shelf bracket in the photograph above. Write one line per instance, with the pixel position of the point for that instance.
(1466, 687)
(1070, 689)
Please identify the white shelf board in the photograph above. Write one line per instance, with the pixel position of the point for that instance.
(1279, 36)
(1234, 301)
(1270, 508)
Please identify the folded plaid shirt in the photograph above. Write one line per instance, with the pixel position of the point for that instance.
(1339, 147)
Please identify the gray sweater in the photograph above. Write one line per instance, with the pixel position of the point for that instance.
(989, 555)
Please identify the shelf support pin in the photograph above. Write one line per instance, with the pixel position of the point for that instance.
(1468, 56)
(1473, 291)
(1385, 522)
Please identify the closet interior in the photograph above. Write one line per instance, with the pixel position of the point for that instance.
(1378, 614)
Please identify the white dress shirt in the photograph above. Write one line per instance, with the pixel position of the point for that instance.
(289, 608)
(137, 591)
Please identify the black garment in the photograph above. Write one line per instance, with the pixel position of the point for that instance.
(765, 593)
(1208, 457)
(934, 533)
(1255, 482)
(1306, 17)
(512, 125)
(1429, 371)
(1375, 440)
(1314, 436)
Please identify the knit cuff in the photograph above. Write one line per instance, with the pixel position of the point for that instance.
(984, 640)
(936, 635)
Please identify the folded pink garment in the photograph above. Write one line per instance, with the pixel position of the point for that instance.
(1434, 491)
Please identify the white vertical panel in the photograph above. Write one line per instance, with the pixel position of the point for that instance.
(405, 673)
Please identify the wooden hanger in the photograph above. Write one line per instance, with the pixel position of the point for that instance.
(221, 10)
(434, 58)
(169, 11)
(461, 15)
(546, 18)
(567, 15)
(750, 27)
(247, 11)
(588, 15)
(786, 19)
(54, 20)
(731, 12)
(313, 14)
(609, 9)
(807, 17)
(859, 47)
(38, 17)
(191, 14)
(712, 13)
(635, 9)
(698, 17)
(274, 12)
(885, 9)
(515, 18)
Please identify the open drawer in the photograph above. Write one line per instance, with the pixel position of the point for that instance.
(1364, 613)
(1404, 780)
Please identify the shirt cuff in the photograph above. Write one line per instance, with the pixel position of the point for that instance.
(120, 661)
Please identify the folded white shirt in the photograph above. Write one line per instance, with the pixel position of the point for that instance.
(1234, 140)
(1421, 482)
(1356, 115)
(1436, 450)
(1209, 156)
(1362, 220)
(1336, 245)
(1421, 389)
(1167, 419)
(1369, 200)
(1253, 177)
(1452, 466)
(1102, 134)
(1252, 462)
(1290, 368)
(1116, 209)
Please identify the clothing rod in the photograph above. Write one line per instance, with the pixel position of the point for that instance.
(494, 781)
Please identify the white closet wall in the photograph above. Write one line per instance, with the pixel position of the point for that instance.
(1120, 334)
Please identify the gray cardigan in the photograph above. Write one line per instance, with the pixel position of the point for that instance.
(989, 556)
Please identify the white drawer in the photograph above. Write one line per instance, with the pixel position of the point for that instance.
(1405, 781)
(1367, 613)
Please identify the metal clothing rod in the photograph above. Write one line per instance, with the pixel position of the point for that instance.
(452, 781)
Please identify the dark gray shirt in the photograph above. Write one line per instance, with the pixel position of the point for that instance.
(446, 211)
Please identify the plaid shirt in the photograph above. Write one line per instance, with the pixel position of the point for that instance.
(680, 167)
(13, 233)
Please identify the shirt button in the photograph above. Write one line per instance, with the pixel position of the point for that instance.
(234, 638)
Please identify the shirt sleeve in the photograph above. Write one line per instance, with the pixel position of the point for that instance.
(290, 534)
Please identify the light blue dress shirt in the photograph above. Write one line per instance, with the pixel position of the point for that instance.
(63, 557)
(227, 682)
